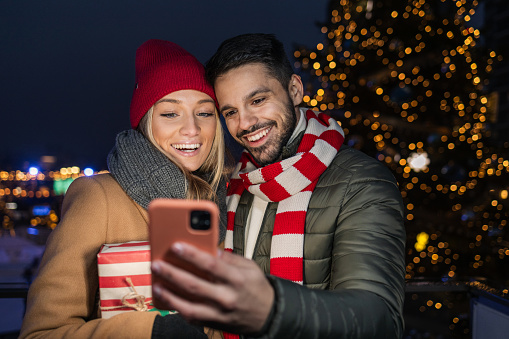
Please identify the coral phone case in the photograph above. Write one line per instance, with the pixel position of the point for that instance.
(172, 220)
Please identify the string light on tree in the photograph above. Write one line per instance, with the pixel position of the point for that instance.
(422, 240)
(418, 161)
(409, 82)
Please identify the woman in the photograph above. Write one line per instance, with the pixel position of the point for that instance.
(175, 150)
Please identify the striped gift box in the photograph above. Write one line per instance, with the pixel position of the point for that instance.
(125, 282)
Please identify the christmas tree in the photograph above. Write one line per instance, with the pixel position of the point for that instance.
(408, 82)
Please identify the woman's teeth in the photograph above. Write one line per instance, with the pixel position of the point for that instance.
(259, 135)
(186, 147)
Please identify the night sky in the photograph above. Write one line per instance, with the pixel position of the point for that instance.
(67, 67)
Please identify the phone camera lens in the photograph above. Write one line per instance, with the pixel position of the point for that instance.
(200, 220)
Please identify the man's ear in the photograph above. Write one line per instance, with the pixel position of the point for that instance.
(296, 89)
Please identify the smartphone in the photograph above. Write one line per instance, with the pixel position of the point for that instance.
(192, 221)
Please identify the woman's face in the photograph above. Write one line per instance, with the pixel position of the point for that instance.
(184, 125)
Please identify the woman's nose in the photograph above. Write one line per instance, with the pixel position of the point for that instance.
(190, 127)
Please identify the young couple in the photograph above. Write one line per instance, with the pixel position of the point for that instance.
(313, 230)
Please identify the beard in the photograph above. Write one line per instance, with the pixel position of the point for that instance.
(272, 151)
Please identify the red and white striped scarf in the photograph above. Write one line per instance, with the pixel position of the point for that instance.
(290, 182)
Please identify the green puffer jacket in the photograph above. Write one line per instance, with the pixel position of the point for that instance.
(353, 255)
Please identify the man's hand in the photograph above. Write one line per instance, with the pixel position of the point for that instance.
(237, 297)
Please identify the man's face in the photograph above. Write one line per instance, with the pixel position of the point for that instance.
(260, 114)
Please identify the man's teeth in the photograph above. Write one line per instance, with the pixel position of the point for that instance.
(258, 135)
(186, 147)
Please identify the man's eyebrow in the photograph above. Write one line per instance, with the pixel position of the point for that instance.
(248, 96)
(256, 92)
(225, 108)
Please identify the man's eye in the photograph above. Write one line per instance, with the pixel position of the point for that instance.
(258, 101)
(205, 114)
(228, 114)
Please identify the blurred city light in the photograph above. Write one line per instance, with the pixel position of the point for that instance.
(88, 171)
(32, 231)
(11, 205)
(40, 210)
(33, 171)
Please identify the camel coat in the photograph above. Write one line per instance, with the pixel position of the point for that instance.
(63, 299)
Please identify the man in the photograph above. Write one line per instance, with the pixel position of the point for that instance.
(321, 223)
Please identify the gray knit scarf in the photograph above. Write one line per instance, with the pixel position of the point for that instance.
(146, 174)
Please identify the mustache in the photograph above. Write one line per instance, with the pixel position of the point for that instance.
(254, 128)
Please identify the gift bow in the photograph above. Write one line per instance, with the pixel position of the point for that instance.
(140, 305)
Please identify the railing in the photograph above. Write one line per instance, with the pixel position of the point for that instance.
(467, 309)
(452, 309)
(13, 290)
(12, 303)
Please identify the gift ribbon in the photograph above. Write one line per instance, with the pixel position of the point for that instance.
(140, 305)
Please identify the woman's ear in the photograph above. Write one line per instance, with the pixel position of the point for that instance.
(296, 89)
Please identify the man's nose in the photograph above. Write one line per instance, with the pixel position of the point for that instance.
(246, 120)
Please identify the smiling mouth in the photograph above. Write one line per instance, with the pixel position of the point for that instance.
(259, 135)
(186, 147)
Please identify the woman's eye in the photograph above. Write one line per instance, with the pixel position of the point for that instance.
(169, 115)
(205, 114)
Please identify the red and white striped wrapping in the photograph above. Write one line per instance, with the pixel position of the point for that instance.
(125, 282)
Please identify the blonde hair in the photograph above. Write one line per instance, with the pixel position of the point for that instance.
(196, 186)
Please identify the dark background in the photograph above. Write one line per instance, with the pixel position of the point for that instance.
(67, 67)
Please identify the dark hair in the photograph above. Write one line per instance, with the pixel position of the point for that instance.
(248, 49)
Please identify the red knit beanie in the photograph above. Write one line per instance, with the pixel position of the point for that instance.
(163, 67)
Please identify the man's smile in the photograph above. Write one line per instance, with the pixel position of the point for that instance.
(258, 135)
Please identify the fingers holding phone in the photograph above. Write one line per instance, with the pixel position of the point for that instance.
(223, 291)
(239, 297)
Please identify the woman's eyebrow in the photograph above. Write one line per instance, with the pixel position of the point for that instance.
(173, 101)
(203, 101)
